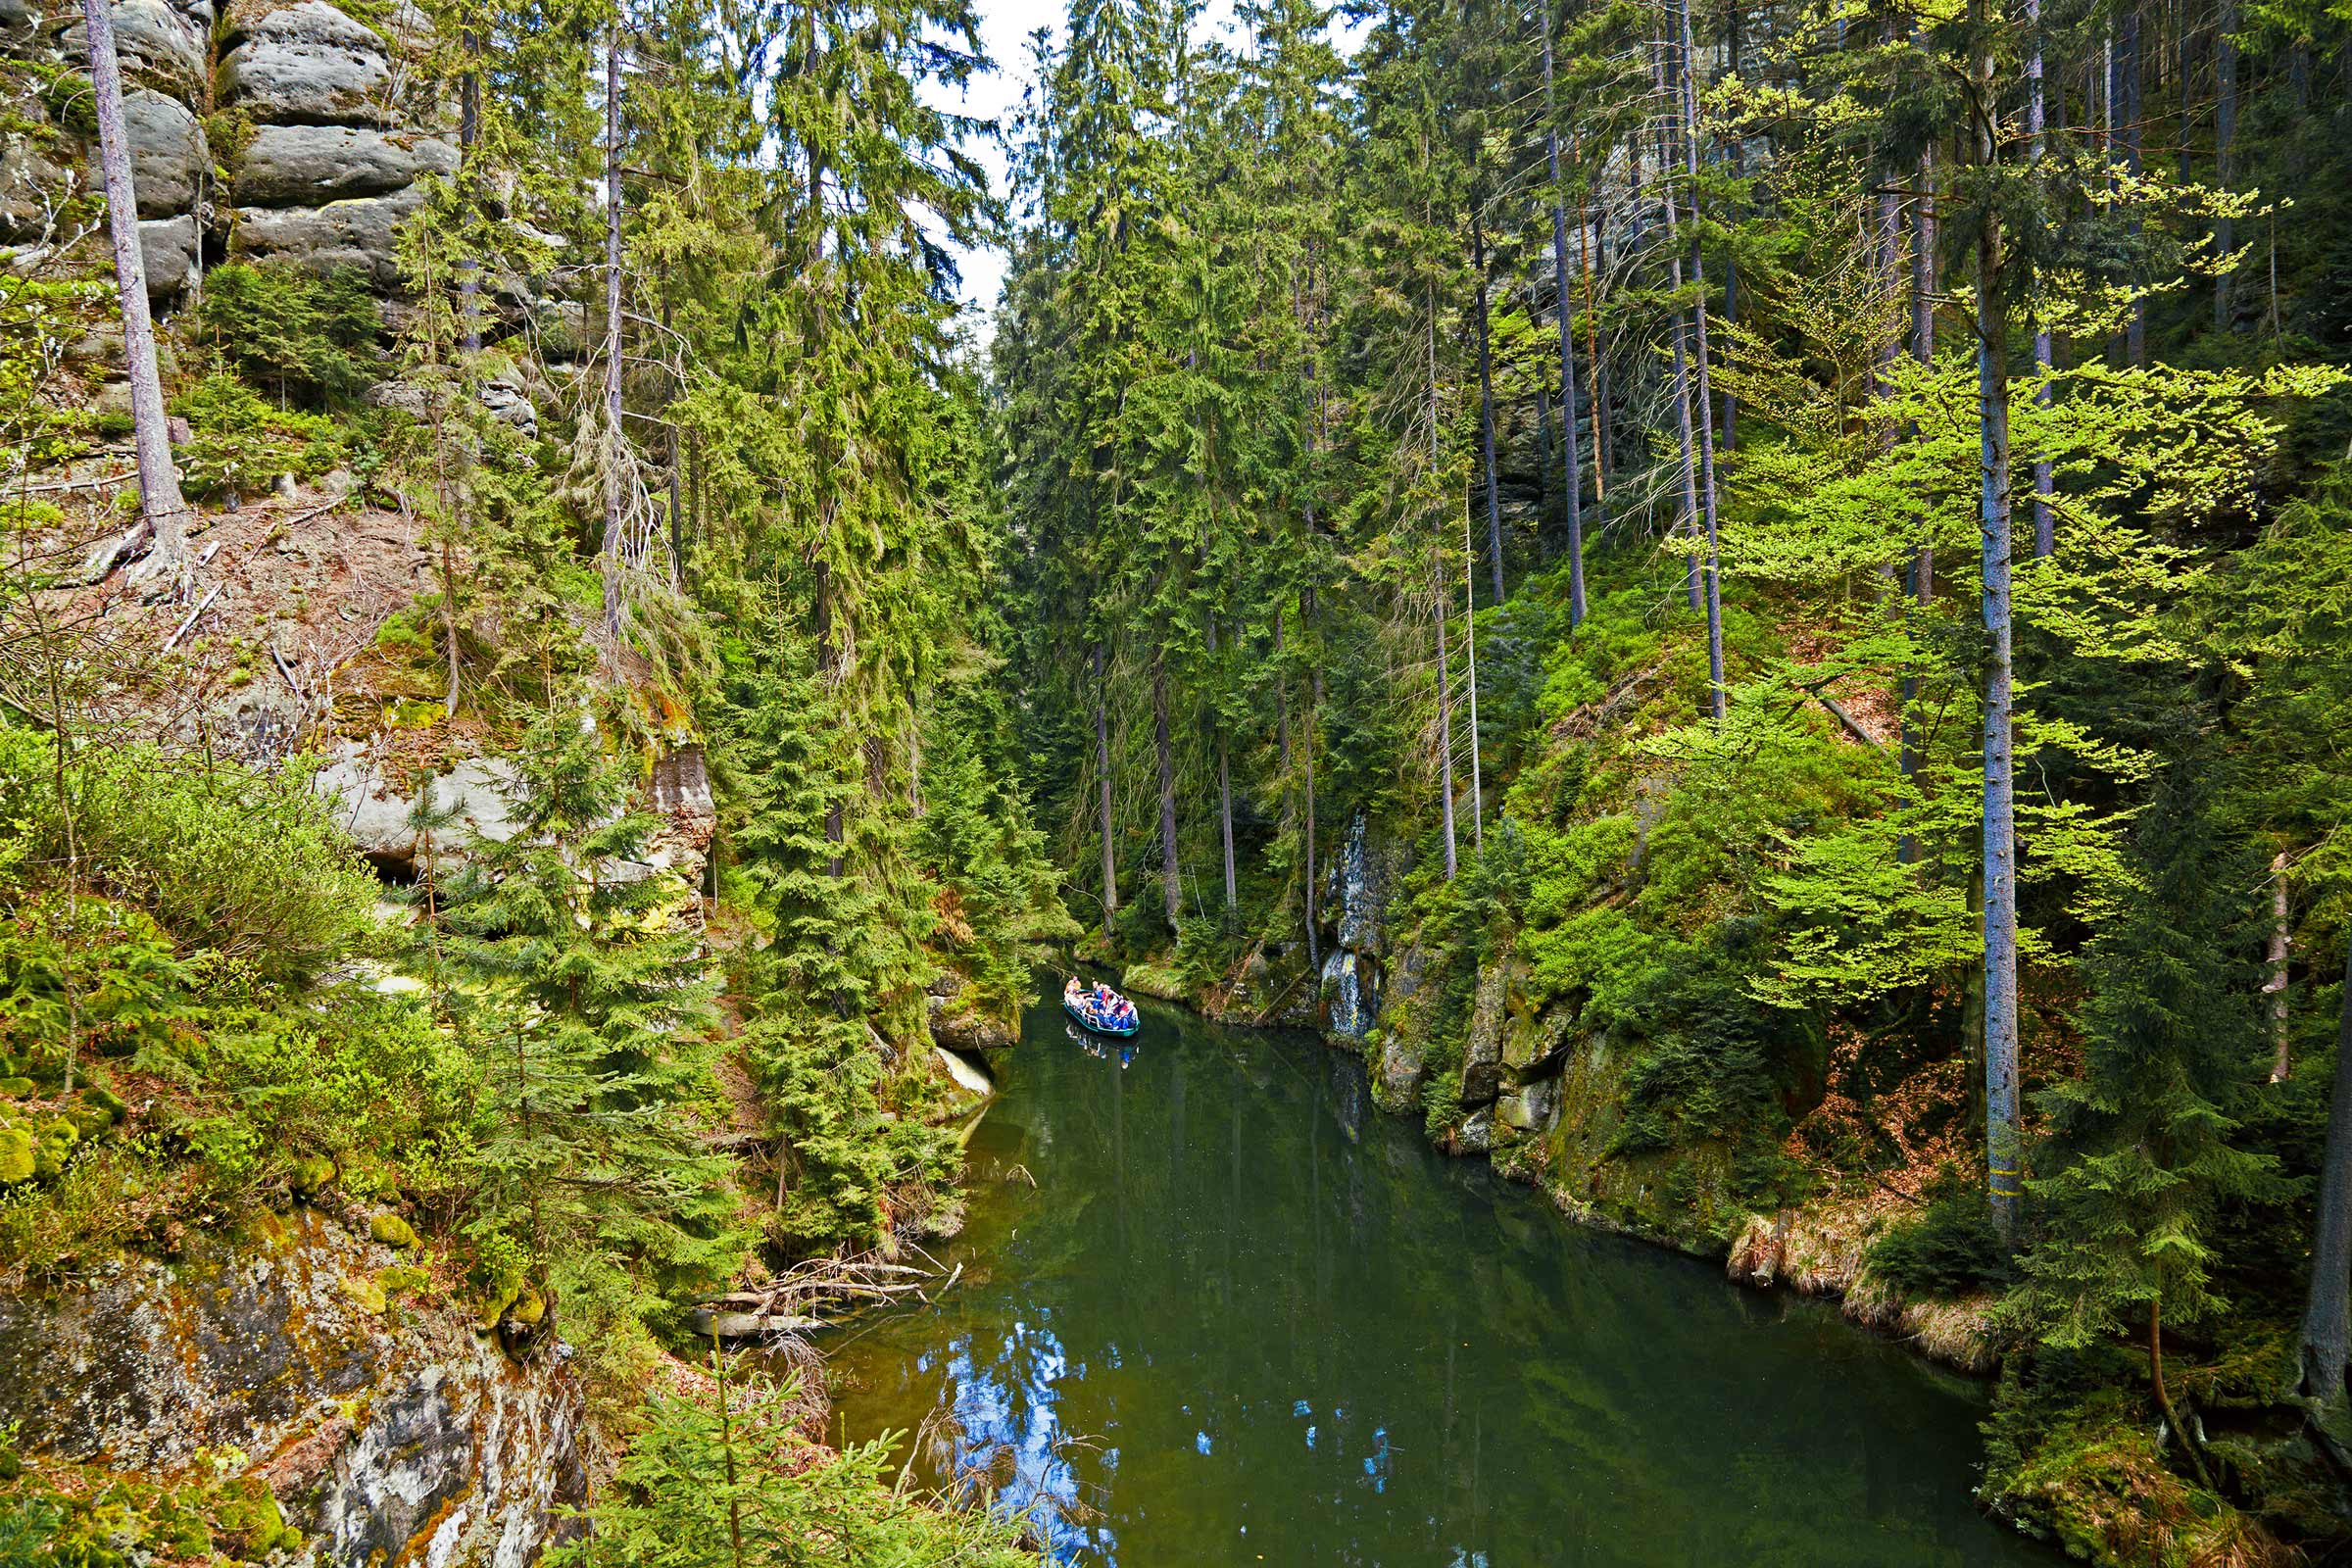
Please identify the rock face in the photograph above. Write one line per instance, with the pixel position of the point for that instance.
(308, 65)
(324, 182)
(168, 154)
(372, 806)
(290, 166)
(387, 1434)
(356, 233)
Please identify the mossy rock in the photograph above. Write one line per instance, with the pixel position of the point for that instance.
(528, 1308)
(20, 1154)
(402, 1279)
(16, 1088)
(393, 1232)
(248, 1511)
(90, 1120)
(366, 1293)
(310, 1175)
(100, 1098)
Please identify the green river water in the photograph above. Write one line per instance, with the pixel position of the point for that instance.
(1241, 1316)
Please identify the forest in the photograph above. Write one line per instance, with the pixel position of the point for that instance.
(1751, 604)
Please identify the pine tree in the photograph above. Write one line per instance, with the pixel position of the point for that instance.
(584, 1001)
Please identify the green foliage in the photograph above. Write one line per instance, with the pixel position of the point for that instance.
(240, 444)
(587, 1015)
(300, 334)
(725, 1479)
(1949, 1249)
(244, 865)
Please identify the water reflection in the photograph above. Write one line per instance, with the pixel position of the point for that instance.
(1241, 1318)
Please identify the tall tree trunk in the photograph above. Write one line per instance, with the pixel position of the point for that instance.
(2327, 1307)
(163, 510)
(1444, 716)
(1314, 709)
(1170, 872)
(1478, 808)
(1224, 792)
(1444, 600)
(469, 136)
(2281, 1064)
(1922, 349)
(2224, 148)
(2128, 65)
(613, 442)
(1486, 404)
(1706, 395)
(828, 669)
(1572, 474)
(1282, 706)
(2003, 1156)
(1110, 860)
(1688, 524)
(2045, 529)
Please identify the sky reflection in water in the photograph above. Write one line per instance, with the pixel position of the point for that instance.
(1241, 1317)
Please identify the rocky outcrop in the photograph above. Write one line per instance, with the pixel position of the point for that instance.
(308, 64)
(376, 804)
(323, 180)
(957, 1024)
(387, 1430)
(296, 165)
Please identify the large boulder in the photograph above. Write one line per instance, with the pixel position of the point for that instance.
(375, 809)
(168, 154)
(350, 233)
(168, 247)
(309, 166)
(307, 63)
(406, 1436)
(162, 46)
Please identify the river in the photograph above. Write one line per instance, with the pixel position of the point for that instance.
(1216, 1308)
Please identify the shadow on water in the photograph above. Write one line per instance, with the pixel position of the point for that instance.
(1239, 1317)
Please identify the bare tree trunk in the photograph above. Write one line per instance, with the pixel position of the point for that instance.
(2224, 148)
(1443, 601)
(613, 444)
(2003, 1156)
(1705, 397)
(1110, 863)
(1695, 574)
(1477, 808)
(1224, 795)
(1444, 723)
(1572, 471)
(2045, 533)
(2128, 69)
(2280, 1065)
(1314, 709)
(1171, 886)
(470, 136)
(1486, 404)
(1923, 348)
(2327, 1307)
(163, 510)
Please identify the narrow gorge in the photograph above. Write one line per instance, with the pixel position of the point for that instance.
(1691, 661)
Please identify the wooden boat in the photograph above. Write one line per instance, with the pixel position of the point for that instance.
(1080, 1006)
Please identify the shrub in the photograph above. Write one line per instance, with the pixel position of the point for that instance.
(286, 329)
(239, 444)
(225, 858)
(1950, 1250)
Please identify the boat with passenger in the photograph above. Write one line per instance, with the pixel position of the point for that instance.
(1098, 1008)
